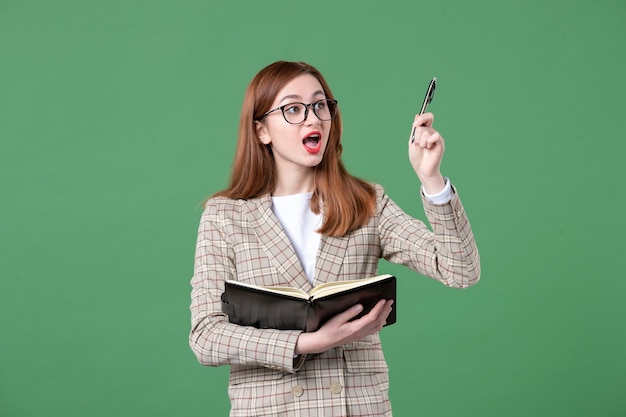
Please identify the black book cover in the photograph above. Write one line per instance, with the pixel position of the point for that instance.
(292, 309)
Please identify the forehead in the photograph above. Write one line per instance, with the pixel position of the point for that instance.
(303, 87)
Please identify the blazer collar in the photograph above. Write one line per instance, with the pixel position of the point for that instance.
(330, 254)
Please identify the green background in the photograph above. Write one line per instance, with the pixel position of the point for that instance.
(118, 118)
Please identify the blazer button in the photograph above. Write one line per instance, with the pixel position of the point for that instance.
(297, 391)
(335, 388)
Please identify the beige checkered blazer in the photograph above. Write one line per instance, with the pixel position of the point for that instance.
(243, 240)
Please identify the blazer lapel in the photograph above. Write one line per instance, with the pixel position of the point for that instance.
(330, 256)
(275, 242)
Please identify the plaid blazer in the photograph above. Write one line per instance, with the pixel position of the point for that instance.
(243, 240)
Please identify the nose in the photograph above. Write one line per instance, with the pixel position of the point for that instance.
(308, 112)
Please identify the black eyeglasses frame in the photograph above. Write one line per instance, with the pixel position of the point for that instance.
(306, 110)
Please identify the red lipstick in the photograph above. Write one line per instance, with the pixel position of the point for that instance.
(313, 142)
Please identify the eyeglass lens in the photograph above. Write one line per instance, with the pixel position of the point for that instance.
(296, 113)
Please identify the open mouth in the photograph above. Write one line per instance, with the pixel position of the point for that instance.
(313, 142)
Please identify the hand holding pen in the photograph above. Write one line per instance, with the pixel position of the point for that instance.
(426, 146)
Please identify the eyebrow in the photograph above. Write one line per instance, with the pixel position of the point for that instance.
(297, 97)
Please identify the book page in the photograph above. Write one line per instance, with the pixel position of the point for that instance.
(293, 292)
(328, 288)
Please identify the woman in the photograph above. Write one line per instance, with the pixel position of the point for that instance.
(293, 216)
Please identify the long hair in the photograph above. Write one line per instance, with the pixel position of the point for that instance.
(348, 202)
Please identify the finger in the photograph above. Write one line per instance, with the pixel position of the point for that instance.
(378, 308)
(349, 314)
(384, 313)
(424, 138)
(374, 321)
(418, 134)
(380, 321)
(388, 308)
(425, 119)
(377, 315)
(363, 322)
(427, 137)
(430, 141)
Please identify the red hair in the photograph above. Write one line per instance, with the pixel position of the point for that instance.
(348, 201)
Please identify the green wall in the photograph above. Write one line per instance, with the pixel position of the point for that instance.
(118, 117)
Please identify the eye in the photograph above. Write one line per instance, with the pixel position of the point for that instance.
(293, 108)
(321, 105)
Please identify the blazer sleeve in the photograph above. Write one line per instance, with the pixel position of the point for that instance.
(448, 253)
(213, 339)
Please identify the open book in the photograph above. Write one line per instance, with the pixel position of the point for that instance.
(287, 308)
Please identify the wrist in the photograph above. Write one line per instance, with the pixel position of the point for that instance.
(433, 185)
(305, 344)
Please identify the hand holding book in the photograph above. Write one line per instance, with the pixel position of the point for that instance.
(344, 328)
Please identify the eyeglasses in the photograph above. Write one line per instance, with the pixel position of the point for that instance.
(296, 113)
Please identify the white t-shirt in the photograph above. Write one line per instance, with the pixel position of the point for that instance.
(300, 224)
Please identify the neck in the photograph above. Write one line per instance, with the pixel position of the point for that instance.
(294, 182)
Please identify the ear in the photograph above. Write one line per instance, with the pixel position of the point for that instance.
(262, 133)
